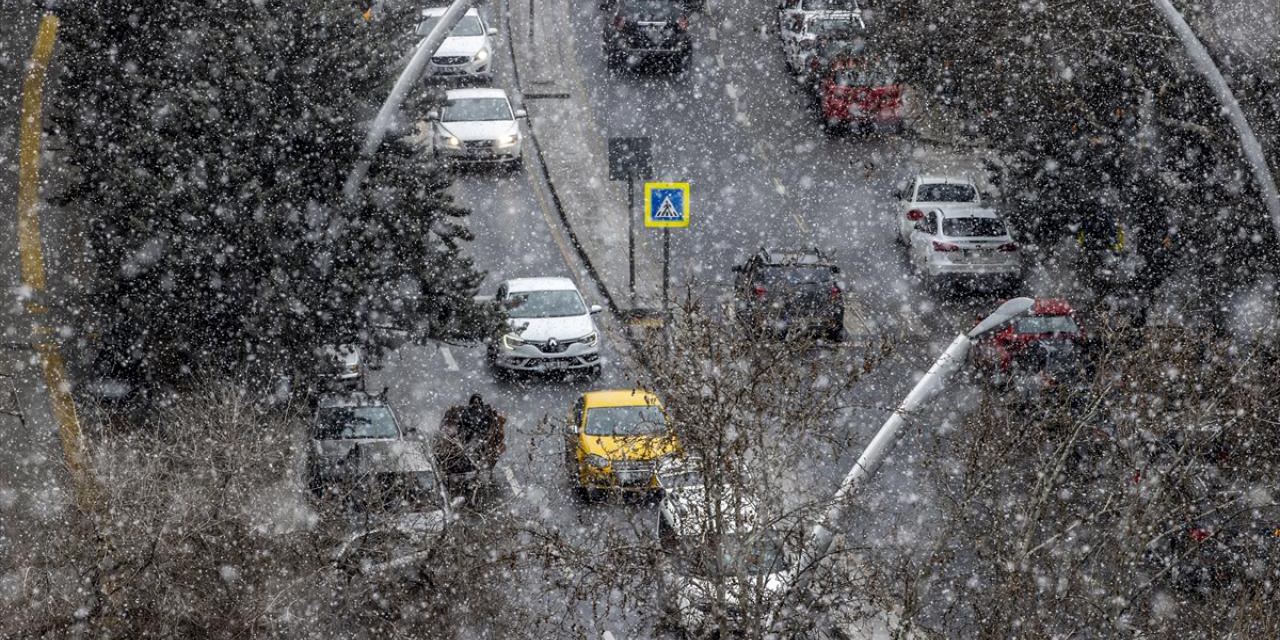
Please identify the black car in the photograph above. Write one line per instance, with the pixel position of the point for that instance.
(640, 30)
(785, 291)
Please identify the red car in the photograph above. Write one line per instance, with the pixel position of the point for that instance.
(860, 91)
(1047, 336)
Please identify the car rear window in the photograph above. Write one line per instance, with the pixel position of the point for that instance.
(797, 274)
(652, 10)
(1046, 324)
(972, 227)
(946, 193)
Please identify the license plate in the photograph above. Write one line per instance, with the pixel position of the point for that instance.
(555, 365)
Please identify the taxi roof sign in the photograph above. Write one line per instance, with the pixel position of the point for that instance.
(666, 204)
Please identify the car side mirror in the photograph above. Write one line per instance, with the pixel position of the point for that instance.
(919, 226)
(493, 31)
(897, 194)
(412, 431)
(595, 308)
(521, 113)
(433, 115)
(571, 429)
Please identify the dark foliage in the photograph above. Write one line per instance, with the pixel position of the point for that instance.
(210, 141)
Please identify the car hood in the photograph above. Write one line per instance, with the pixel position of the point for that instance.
(461, 46)
(480, 129)
(377, 456)
(563, 328)
(629, 447)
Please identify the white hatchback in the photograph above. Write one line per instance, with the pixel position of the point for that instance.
(550, 328)
(964, 241)
(477, 125)
(467, 52)
(924, 192)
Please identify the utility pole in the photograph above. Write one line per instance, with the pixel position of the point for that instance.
(407, 80)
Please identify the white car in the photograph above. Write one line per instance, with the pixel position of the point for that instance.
(550, 328)
(800, 38)
(924, 192)
(688, 566)
(964, 241)
(477, 125)
(467, 52)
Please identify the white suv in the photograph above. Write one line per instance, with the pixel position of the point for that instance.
(964, 241)
(467, 52)
(551, 329)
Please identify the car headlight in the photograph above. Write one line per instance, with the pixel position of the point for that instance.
(597, 462)
(591, 340)
(482, 56)
(507, 141)
(452, 141)
(511, 341)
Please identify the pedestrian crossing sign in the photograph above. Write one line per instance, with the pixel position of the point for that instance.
(666, 204)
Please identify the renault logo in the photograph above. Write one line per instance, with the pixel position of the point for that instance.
(553, 344)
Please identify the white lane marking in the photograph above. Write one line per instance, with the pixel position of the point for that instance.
(720, 61)
(511, 480)
(713, 34)
(449, 362)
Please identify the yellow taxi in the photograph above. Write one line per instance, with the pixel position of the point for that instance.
(618, 440)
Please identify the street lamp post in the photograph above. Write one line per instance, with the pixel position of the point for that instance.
(929, 386)
(408, 78)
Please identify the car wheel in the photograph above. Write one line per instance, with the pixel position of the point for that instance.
(517, 164)
(582, 494)
(594, 372)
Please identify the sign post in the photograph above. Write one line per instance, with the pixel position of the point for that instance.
(666, 205)
(630, 158)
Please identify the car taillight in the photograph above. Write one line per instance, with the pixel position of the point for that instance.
(682, 23)
(915, 215)
(758, 291)
(1009, 246)
(835, 292)
(944, 246)
(1199, 535)
(619, 22)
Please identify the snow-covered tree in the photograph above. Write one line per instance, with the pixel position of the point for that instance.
(209, 142)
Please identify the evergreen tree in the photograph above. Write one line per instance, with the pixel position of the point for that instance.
(210, 141)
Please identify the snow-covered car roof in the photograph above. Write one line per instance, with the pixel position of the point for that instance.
(465, 94)
(685, 509)
(516, 285)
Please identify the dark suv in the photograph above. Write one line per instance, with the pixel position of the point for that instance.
(784, 291)
(648, 29)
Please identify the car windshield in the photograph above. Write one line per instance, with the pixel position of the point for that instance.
(474, 109)
(644, 420)
(469, 26)
(545, 304)
(652, 10)
(972, 227)
(946, 193)
(352, 423)
(1046, 324)
(794, 274)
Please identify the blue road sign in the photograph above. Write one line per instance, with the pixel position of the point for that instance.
(666, 204)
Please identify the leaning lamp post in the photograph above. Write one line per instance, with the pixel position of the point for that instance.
(952, 360)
